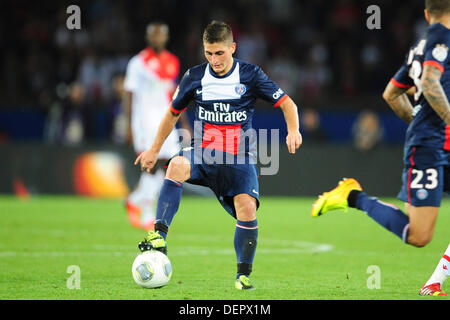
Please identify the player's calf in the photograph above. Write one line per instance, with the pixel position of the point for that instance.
(422, 221)
(245, 238)
(419, 239)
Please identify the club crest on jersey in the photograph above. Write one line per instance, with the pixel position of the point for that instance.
(240, 89)
(440, 52)
(422, 194)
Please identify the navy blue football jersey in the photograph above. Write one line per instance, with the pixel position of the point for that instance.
(224, 105)
(427, 128)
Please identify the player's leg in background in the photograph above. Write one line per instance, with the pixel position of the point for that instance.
(441, 272)
(246, 233)
(143, 199)
(178, 172)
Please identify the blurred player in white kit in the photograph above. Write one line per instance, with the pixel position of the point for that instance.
(150, 82)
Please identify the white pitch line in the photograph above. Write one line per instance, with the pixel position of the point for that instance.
(285, 247)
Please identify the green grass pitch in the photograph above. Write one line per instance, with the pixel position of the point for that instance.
(298, 257)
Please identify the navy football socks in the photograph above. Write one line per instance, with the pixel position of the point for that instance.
(385, 214)
(245, 239)
(168, 203)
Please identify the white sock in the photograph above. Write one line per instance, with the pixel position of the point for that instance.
(147, 189)
(146, 194)
(147, 212)
(442, 270)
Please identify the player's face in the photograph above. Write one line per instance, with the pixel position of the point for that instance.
(158, 37)
(220, 56)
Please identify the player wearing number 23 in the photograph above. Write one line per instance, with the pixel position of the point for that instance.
(426, 153)
(426, 173)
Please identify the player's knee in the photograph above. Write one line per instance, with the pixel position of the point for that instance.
(245, 207)
(179, 169)
(419, 239)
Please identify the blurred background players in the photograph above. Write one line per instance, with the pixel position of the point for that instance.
(367, 131)
(149, 84)
(311, 127)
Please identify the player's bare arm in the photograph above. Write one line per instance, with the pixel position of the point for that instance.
(294, 138)
(434, 93)
(149, 157)
(399, 102)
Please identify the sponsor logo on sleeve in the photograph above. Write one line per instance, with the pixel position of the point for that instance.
(440, 52)
(277, 94)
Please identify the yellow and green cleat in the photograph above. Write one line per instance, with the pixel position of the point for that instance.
(335, 199)
(153, 241)
(243, 283)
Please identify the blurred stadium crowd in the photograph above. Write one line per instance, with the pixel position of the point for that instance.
(320, 52)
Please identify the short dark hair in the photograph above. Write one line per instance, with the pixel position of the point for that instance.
(218, 31)
(437, 7)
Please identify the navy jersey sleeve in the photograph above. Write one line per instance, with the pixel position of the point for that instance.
(268, 90)
(436, 50)
(402, 79)
(183, 94)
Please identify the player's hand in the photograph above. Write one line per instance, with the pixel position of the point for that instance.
(293, 141)
(147, 159)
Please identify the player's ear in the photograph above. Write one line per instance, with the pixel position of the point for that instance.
(427, 15)
(233, 47)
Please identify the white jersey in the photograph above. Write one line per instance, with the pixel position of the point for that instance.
(151, 80)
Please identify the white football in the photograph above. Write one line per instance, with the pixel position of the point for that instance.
(151, 269)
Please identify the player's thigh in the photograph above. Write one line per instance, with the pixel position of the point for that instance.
(422, 221)
(179, 169)
(422, 193)
(245, 206)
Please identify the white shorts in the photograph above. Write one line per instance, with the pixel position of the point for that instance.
(143, 139)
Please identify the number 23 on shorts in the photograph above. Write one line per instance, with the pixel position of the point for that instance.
(427, 179)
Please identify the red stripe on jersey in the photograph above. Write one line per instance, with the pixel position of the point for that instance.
(446, 257)
(279, 102)
(411, 159)
(175, 110)
(447, 138)
(400, 85)
(409, 185)
(222, 137)
(435, 64)
(166, 65)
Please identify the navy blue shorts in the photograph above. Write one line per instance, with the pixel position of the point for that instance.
(425, 178)
(225, 180)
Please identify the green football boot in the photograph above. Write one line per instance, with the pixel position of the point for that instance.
(335, 199)
(243, 283)
(153, 241)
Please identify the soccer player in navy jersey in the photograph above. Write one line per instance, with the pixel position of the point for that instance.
(222, 156)
(426, 174)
